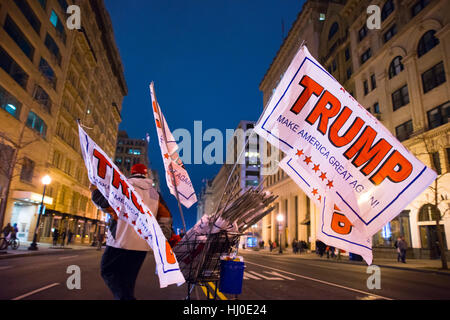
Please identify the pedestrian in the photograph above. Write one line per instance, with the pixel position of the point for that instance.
(100, 240)
(295, 246)
(402, 246)
(332, 250)
(69, 236)
(7, 230)
(398, 249)
(63, 238)
(262, 244)
(125, 250)
(55, 237)
(270, 245)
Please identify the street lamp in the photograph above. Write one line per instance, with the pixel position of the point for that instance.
(280, 220)
(46, 180)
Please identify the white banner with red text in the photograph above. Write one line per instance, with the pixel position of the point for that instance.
(129, 207)
(174, 167)
(366, 171)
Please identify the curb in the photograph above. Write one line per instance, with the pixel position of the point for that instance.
(39, 253)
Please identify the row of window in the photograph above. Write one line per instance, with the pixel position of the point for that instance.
(436, 117)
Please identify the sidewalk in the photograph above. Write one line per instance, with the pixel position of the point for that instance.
(43, 249)
(422, 265)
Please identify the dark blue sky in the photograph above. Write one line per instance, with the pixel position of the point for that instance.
(207, 59)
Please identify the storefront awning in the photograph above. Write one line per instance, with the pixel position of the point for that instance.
(31, 197)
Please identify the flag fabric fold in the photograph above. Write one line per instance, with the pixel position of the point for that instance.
(128, 205)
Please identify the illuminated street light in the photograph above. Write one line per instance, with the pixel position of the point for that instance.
(46, 180)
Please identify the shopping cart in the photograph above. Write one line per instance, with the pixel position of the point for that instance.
(200, 260)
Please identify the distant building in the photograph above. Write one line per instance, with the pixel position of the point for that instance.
(131, 151)
(51, 76)
(240, 178)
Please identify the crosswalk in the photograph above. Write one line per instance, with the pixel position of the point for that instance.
(266, 275)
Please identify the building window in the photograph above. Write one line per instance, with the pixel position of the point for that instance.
(366, 87)
(373, 81)
(376, 108)
(13, 69)
(333, 30)
(400, 97)
(43, 3)
(48, 72)
(395, 67)
(63, 4)
(347, 54)
(392, 31)
(42, 98)
(56, 22)
(419, 6)
(427, 42)
(362, 33)
(16, 34)
(366, 55)
(349, 73)
(322, 17)
(29, 14)
(436, 162)
(9, 103)
(37, 124)
(433, 77)
(404, 131)
(439, 115)
(387, 9)
(53, 48)
(26, 174)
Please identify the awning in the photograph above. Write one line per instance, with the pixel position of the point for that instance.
(31, 197)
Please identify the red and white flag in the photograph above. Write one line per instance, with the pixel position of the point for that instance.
(129, 207)
(336, 149)
(174, 167)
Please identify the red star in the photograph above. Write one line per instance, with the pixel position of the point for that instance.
(316, 167)
(323, 176)
(320, 198)
(299, 152)
(133, 223)
(314, 192)
(166, 156)
(330, 184)
(125, 215)
(139, 230)
(146, 238)
(308, 160)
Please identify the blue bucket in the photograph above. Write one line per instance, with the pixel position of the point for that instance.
(231, 276)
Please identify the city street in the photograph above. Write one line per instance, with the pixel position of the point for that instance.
(266, 277)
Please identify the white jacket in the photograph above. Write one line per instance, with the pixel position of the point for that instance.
(126, 237)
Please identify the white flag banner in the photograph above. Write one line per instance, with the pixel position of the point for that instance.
(172, 163)
(128, 205)
(368, 173)
(333, 227)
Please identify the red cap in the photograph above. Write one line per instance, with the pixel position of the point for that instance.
(139, 168)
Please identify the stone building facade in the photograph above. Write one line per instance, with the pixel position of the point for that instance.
(50, 77)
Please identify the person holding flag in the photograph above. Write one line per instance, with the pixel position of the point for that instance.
(125, 251)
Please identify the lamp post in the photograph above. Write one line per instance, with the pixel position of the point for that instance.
(280, 219)
(46, 180)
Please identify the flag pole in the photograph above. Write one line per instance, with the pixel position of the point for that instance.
(170, 156)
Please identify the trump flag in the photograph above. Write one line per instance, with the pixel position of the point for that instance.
(129, 207)
(177, 177)
(365, 171)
